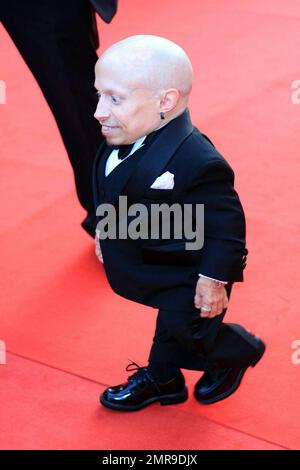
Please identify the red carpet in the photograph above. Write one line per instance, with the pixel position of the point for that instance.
(50, 409)
(56, 305)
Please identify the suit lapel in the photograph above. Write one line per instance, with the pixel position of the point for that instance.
(149, 166)
(157, 156)
(115, 181)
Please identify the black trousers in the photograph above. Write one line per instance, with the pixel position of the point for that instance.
(186, 340)
(55, 39)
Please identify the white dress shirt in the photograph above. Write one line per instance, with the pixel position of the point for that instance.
(113, 159)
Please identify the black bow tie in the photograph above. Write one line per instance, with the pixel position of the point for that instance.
(123, 150)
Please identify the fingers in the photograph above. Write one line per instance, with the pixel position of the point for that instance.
(99, 256)
(198, 300)
(210, 308)
(210, 300)
(98, 250)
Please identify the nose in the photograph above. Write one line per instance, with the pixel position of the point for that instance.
(102, 112)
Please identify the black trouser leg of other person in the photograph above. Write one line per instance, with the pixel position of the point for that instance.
(56, 42)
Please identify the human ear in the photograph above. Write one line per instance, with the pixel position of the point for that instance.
(169, 100)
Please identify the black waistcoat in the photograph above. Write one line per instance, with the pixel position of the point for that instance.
(109, 185)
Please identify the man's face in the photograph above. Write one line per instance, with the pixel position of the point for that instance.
(127, 109)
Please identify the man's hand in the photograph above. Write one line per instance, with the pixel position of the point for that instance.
(97, 247)
(211, 298)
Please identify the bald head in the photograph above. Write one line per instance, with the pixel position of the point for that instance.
(143, 82)
(153, 60)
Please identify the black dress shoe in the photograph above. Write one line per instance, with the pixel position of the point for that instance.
(141, 390)
(89, 224)
(215, 386)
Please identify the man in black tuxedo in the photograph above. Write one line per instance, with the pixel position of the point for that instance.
(58, 41)
(154, 155)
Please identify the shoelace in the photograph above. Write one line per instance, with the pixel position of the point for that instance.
(141, 376)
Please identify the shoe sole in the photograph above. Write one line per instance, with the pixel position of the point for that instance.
(173, 399)
(235, 385)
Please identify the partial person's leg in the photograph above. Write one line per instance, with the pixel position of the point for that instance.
(172, 345)
(55, 41)
(185, 340)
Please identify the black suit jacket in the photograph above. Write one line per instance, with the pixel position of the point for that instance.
(162, 273)
(106, 8)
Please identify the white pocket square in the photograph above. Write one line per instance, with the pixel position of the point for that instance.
(164, 181)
